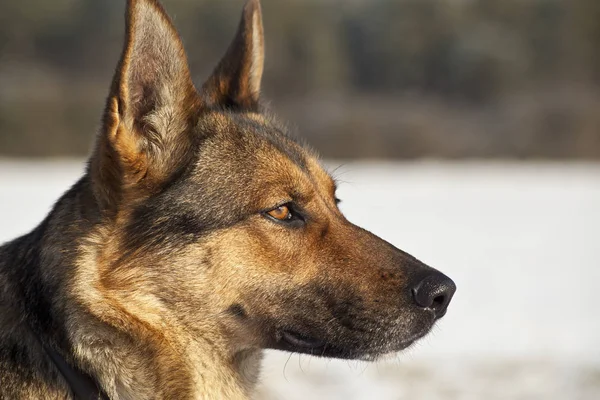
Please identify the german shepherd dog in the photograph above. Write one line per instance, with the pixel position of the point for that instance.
(200, 234)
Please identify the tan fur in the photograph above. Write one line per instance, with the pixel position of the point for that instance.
(170, 359)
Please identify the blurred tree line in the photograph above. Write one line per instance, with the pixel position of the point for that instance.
(359, 78)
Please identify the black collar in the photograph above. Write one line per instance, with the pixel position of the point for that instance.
(81, 384)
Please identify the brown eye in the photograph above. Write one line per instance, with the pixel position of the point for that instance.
(281, 213)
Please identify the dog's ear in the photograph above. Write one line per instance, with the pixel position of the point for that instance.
(235, 83)
(149, 110)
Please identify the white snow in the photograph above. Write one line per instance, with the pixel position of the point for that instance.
(520, 240)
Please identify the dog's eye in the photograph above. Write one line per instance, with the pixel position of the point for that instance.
(287, 214)
(281, 213)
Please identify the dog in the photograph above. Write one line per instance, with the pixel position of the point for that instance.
(200, 234)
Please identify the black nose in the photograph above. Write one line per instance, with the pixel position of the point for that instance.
(434, 292)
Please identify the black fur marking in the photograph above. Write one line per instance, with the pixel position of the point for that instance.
(165, 220)
(324, 231)
(238, 310)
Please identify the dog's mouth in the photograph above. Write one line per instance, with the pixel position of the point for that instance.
(294, 341)
(301, 341)
(364, 346)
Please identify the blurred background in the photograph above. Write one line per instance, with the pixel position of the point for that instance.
(466, 132)
(379, 78)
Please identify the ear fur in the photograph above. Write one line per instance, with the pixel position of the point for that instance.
(235, 83)
(149, 108)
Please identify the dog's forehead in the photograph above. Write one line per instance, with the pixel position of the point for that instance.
(251, 144)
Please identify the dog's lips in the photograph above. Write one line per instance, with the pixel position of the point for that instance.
(368, 349)
(301, 341)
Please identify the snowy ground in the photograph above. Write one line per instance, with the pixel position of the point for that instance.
(520, 240)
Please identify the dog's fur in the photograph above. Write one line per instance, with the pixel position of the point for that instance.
(161, 274)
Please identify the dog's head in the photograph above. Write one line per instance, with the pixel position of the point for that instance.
(220, 221)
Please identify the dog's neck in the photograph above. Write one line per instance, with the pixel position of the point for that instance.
(149, 367)
(96, 337)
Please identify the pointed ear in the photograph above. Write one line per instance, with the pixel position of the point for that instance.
(153, 71)
(235, 83)
(149, 109)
